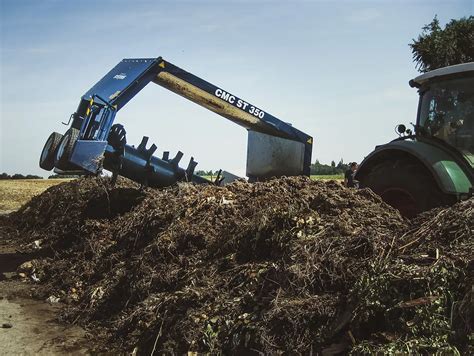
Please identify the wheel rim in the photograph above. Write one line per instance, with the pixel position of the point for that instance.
(46, 150)
(401, 200)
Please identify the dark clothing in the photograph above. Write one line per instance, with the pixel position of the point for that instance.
(349, 175)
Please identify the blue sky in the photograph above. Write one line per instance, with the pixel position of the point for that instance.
(337, 70)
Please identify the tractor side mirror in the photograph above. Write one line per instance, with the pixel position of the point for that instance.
(401, 129)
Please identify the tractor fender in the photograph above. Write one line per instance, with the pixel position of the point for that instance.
(446, 172)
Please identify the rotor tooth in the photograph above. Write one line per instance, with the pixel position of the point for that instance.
(191, 166)
(177, 158)
(166, 156)
(151, 150)
(142, 145)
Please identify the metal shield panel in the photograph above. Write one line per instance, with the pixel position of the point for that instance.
(270, 156)
(89, 154)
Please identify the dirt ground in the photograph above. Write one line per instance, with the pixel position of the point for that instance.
(14, 193)
(29, 326)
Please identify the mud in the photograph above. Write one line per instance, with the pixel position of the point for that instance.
(29, 326)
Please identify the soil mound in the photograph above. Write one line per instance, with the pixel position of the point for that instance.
(288, 265)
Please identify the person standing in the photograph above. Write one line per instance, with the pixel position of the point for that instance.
(349, 176)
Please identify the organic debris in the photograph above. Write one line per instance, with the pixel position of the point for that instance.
(285, 266)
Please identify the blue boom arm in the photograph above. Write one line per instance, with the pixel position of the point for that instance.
(285, 150)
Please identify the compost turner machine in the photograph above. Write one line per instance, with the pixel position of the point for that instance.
(93, 142)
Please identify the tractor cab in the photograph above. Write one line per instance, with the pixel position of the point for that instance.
(446, 107)
(433, 166)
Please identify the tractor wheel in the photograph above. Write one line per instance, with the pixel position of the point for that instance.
(49, 151)
(405, 185)
(63, 153)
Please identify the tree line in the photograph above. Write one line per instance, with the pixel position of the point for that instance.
(317, 168)
(62, 176)
(4, 176)
(206, 173)
(321, 169)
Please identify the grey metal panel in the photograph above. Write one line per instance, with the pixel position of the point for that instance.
(270, 156)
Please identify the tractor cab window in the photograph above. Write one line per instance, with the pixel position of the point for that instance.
(447, 112)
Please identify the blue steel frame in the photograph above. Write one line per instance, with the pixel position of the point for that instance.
(130, 76)
(106, 115)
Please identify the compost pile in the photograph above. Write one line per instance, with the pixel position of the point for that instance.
(289, 265)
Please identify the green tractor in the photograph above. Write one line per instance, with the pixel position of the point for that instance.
(433, 164)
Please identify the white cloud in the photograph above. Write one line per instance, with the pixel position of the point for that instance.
(364, 15)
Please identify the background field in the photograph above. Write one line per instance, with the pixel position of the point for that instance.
(14, 193)
(328, 177)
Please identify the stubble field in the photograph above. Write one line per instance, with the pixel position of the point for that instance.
(14, 193)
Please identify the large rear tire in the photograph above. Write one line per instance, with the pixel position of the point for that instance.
(406, 185)
(64, 150)
(48, 154)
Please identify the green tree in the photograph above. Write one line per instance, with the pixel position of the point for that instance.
(341, 166)
(324, 169)
(437, 47)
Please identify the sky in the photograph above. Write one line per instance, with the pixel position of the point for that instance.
(336, 70)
